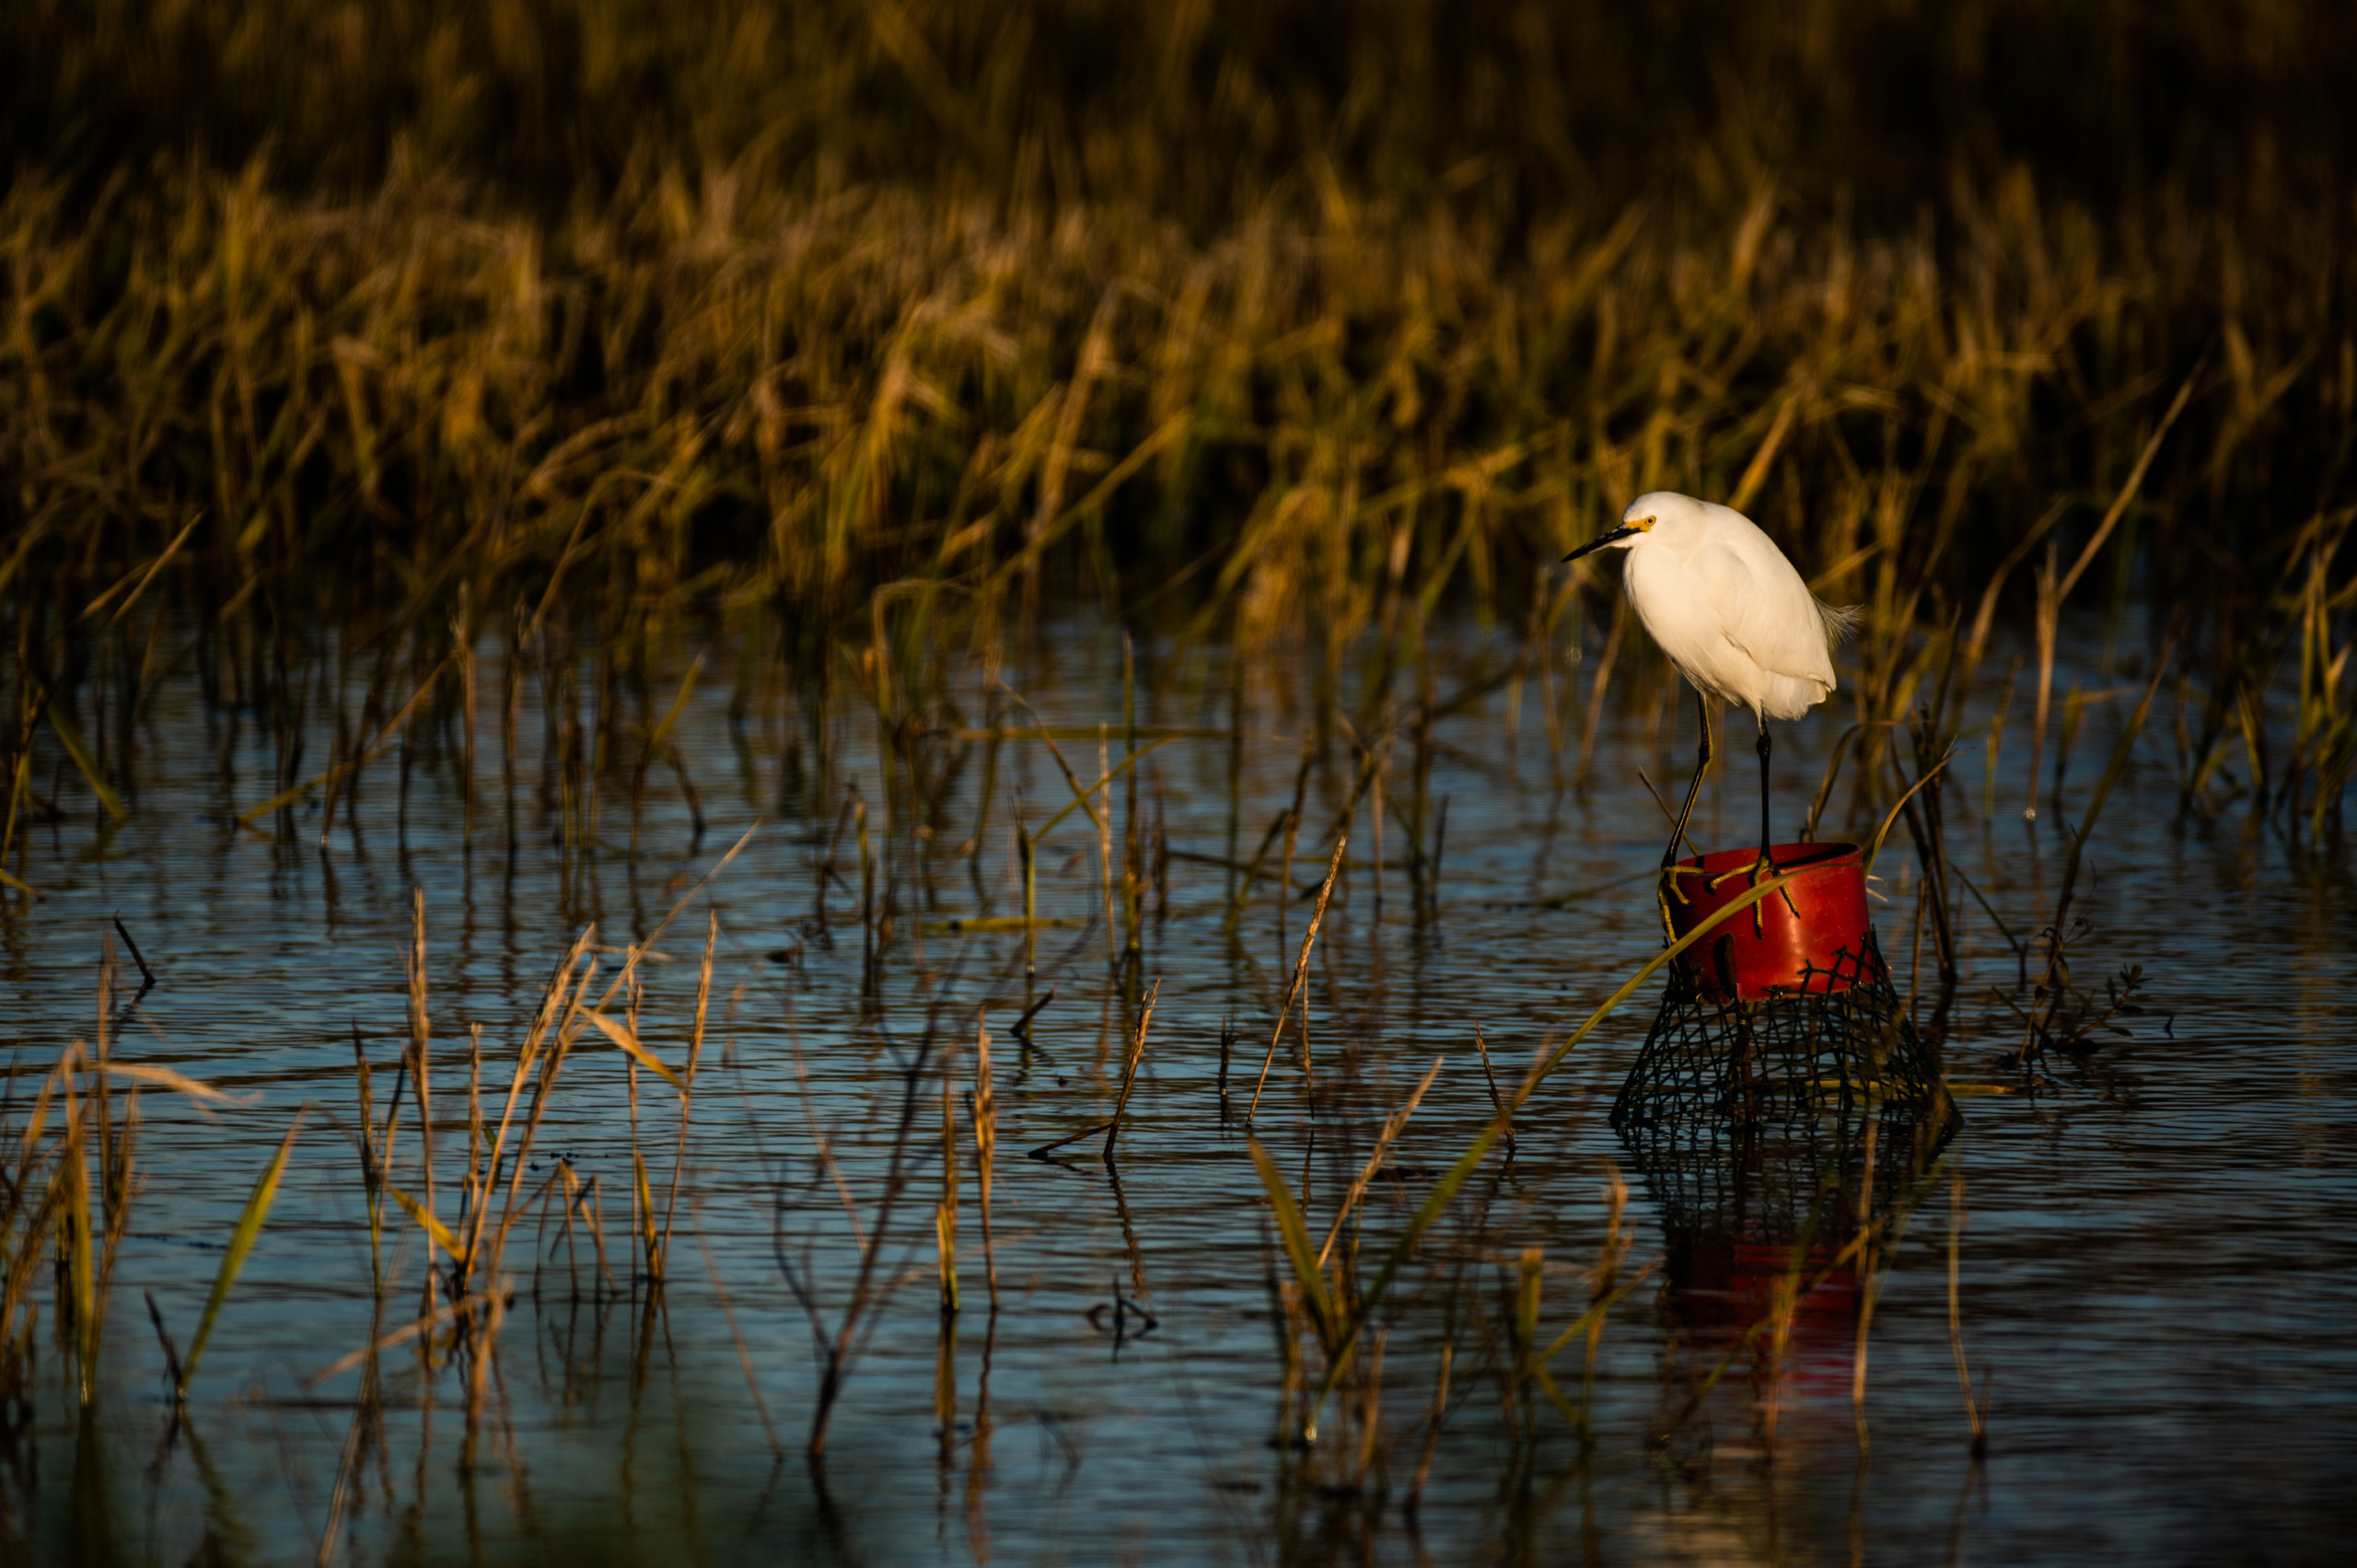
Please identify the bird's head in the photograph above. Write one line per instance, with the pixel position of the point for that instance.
(1642, 515)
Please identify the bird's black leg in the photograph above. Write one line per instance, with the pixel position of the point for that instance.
(1765, 745)
(1667, 888)
(1694, 788)
(1764, 864)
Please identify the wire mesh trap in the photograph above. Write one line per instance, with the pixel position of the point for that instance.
(1836, 1043)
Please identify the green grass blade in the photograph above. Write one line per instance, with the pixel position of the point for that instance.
(440, 1233)
(242, 1242)
(1299, 1249)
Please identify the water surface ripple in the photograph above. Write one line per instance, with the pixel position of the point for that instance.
(2155, 1277)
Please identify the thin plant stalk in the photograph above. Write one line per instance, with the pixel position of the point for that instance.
(1300, 971)
(1131, 1059)
(983, 1112)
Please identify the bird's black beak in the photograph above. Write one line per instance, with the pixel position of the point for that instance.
(1600, 540)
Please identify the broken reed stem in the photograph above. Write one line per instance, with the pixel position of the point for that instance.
(1026, 854)
(469, 1191)
(74, 1238)
(111, 1176)
(146, 975)
(1300, 969)
(420, 1040)
(982, 1110)
(1103, 816)
(1226, 1049)
(945, 1215)
(372, 1198)
(1497, 1105)
(866, 884)
(695, 1054)
(1135, 1054)
(641, 1200)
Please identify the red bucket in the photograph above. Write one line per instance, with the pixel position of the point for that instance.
(1816, 942)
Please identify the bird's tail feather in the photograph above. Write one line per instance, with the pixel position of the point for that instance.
(1841, 624)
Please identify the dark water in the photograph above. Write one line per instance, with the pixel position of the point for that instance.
(2155, 1270)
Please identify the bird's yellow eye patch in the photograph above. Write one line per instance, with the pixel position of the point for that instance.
(1643, 525)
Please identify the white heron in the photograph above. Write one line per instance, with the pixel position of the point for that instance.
(1733, 615)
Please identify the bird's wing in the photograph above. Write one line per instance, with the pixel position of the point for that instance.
(1764, 608)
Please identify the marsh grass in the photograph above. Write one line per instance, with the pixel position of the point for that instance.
(883, 417)
(380, 437)
(2267, 636)
(1400, 1289)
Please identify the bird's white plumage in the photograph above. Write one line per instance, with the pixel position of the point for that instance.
(1726, 606)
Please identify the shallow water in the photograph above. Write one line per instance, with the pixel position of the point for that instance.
(2155, 1273)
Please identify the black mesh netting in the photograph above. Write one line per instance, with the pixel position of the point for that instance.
(1794, 1058)
(1774, 1184)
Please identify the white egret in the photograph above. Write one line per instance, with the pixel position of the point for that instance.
(1732, 614)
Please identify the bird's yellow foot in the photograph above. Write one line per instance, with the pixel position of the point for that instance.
(1667, 888)
(1763, 866)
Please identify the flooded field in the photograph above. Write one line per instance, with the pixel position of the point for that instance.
(2105, 1321)
(794, 780)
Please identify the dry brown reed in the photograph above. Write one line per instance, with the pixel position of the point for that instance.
(86, 1111)
(1343, 1290)
(865, 415)
(982, 1109)
(1348, 415)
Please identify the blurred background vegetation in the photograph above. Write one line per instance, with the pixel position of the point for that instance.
(1204, 111)
(1242, 311)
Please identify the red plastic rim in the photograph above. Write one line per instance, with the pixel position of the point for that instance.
(1812, 936)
